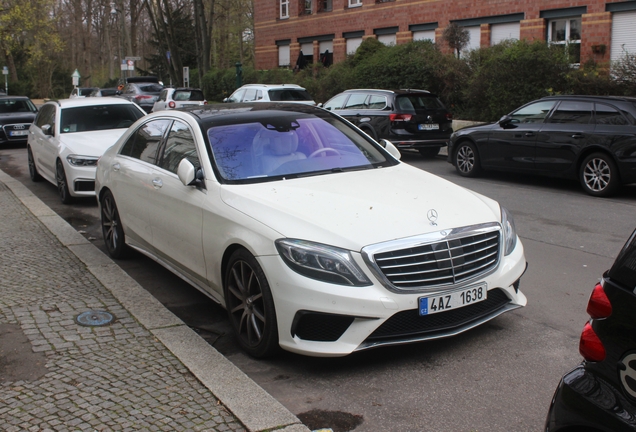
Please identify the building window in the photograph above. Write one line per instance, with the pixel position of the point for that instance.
(325, 5)
(355, 3)
(353, 44)
(424, 35)
(387, 39)
(283, 56)
(567, 32)
(306, 6)
(505, 31)
(284, 9)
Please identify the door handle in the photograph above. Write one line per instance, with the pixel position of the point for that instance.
(577, 135)
(157, 183)
(529, 134)
(116, 166)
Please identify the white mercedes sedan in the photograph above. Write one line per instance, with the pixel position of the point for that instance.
(313, 236)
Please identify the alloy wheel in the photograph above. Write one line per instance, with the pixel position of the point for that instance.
(246, 304)
(597, 174)
(465, 159)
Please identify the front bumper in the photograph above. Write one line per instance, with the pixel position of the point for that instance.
(80, 180)
(583, 400)
(327, 320)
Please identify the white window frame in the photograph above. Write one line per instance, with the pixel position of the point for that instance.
(284, 9)
(355, 3)
(568, 28)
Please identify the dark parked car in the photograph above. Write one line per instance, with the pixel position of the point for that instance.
(16, 115)
(410, 119)
(144, 91)
(592, 138)
(600, 393)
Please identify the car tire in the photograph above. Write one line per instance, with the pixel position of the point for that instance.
(33, 170)
(429, 152)
(467, 159)
(599, 175)
(250, 305)
(112, 228)
(62, 184)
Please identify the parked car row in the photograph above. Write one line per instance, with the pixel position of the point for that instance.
(278, 212)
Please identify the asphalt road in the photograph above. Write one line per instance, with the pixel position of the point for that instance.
(499, 377)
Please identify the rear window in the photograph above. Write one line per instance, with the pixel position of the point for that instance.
(416, 102)
(99, 117)
(188, 95)
(623, 271)
(151, 88)
(283, 95)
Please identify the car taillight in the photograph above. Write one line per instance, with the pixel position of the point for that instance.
(400, 117)
(171, 104)
(140, 97)
(590, 346)
(449, 116)
(205, 102)
(599, 306)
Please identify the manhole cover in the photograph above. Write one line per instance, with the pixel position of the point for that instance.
(94, 318)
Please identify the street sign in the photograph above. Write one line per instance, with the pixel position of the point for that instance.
(123, 65)
(5, 70)
(133, 58)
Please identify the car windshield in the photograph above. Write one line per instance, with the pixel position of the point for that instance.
(98, 117)
(280, 144)
(188, 95)
(285, 95)
(9, 106)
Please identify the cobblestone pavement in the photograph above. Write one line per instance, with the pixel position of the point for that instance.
(117, 377)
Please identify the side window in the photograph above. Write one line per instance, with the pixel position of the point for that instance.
(250, 95)
(144, 143)
(163, 96)
(259, 95)
(356, 101)
(573, 112)
(377, 102)
(236, 96)
(336, 103)
(533, 113)
(607, 115)
(45, 116)
(179, 144)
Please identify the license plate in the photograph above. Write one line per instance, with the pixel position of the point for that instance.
(452, 300)
(19, 133)
(428, 126)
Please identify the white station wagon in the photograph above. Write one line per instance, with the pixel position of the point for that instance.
(314, 237)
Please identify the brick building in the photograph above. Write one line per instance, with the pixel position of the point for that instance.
(331, 29)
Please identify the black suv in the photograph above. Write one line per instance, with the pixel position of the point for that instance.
(592, 138)
(410, 119)
(600, 393)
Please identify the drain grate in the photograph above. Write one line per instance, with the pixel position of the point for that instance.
(94, 318)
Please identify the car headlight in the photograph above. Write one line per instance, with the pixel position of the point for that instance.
(321, 262)
(77, 160)
(509, 231)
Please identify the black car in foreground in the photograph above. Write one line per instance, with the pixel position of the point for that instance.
(410, 119)
(16, 115)
(600, 393)
(590, 138)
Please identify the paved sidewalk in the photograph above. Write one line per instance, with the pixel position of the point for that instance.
(146, 370)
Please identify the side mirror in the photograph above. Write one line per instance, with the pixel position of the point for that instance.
(392, 149)
(505, 120)
(188, 174)
(47, 130)
(226, 99)
(319, 105)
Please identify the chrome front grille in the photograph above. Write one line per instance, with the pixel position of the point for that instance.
(12, 130)
(454, 258)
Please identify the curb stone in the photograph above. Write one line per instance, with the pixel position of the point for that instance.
(250, 403)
